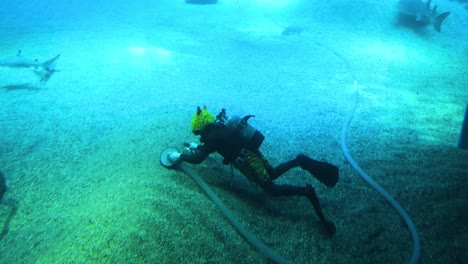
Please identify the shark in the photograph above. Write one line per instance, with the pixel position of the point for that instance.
(423, 12)
(43, 69)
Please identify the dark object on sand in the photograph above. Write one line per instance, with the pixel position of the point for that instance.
(292, 30)
(201, 2)
(3, 187)
(11, 204)
(463, 142)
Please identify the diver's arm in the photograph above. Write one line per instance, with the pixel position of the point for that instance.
(196, 157)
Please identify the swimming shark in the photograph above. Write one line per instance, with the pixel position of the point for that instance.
(43, 69)
(19, 61)
(423, 12)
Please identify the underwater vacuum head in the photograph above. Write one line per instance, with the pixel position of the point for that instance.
(164, 157)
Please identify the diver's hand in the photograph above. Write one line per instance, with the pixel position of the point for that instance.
(174, 157)
(191, 146)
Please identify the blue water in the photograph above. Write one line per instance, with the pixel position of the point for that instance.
(79, 152)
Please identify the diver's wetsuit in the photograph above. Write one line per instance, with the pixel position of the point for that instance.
(220, 138)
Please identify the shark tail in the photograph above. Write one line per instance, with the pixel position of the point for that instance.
(47, 69)
(439, 19)
(48, 65)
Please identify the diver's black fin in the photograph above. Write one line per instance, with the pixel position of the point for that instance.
(326, 173)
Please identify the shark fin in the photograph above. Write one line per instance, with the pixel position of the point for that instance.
(44, 74)
(428, 4)
(41, 74)
(439, 19)
(47, 64)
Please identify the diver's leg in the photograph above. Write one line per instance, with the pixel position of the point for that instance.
(312, 196)
(324, 172)
(284, 167)
(288, 190)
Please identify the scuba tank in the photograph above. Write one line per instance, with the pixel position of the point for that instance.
(250, 137)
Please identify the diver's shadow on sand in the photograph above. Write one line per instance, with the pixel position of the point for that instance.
(21, 86)
(11, 210)
(280, 206)
(220, 176)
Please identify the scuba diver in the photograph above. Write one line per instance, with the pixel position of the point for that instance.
(238, 143)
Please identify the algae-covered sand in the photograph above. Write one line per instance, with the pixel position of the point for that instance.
(80, 153)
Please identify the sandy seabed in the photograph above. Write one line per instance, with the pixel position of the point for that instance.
(80, 153)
